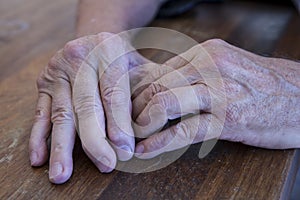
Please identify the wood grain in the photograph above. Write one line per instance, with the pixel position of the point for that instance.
(31, 32)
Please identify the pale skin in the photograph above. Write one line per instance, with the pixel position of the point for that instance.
(105, 142)
(54, 107)
(262, 94)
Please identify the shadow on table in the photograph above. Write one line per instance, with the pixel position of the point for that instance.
(296, 190)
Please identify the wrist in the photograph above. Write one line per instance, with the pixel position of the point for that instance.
(114, 16)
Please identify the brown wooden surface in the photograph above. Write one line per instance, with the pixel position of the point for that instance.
(31, 31)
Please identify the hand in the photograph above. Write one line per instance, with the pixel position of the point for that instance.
(222, 92)
(69, 92)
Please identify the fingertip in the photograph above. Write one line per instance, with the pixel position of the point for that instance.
(105, 164)
(38, 149)
(148, 148)
(38, 158)
(139, 150)
(102, 155)
(34, 159)
(122, 141)
(124, 153)
(105, 169)
(59, 173)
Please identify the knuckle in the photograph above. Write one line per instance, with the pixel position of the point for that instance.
(214, 42)
(57, 67)
(74, 50)
(115, 95)
(107, 93)
(117, 136)
(61, 114)
(154, 88)
(41, 114)
(45, 80)
(56, 62)
(110, 40)
(40, 81)
(105, 35)
(157, 99)
(182, 131)
(87, 106)
(160, 99)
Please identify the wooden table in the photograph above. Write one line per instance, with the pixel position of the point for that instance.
(31, 31)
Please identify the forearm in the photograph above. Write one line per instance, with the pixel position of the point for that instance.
(95, 16)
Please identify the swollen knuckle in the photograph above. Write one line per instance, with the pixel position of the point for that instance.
(74, 50)
(40, 81)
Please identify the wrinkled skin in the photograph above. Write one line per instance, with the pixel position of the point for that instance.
(257, 101)
(259, 97)
(69, 92)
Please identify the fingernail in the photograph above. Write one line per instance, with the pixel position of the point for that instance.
(55, 170)
(139, 149)
(33, 157)
(126, 148)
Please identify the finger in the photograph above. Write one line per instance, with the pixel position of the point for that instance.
(155, 71)
(171, 104)
(40, 131)
(141, 77)
(115, 93)
(152, 72)
(191, 67)
(63, 134)
(90, 118)
(174, 79)
(189, 131)
(149, 72)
